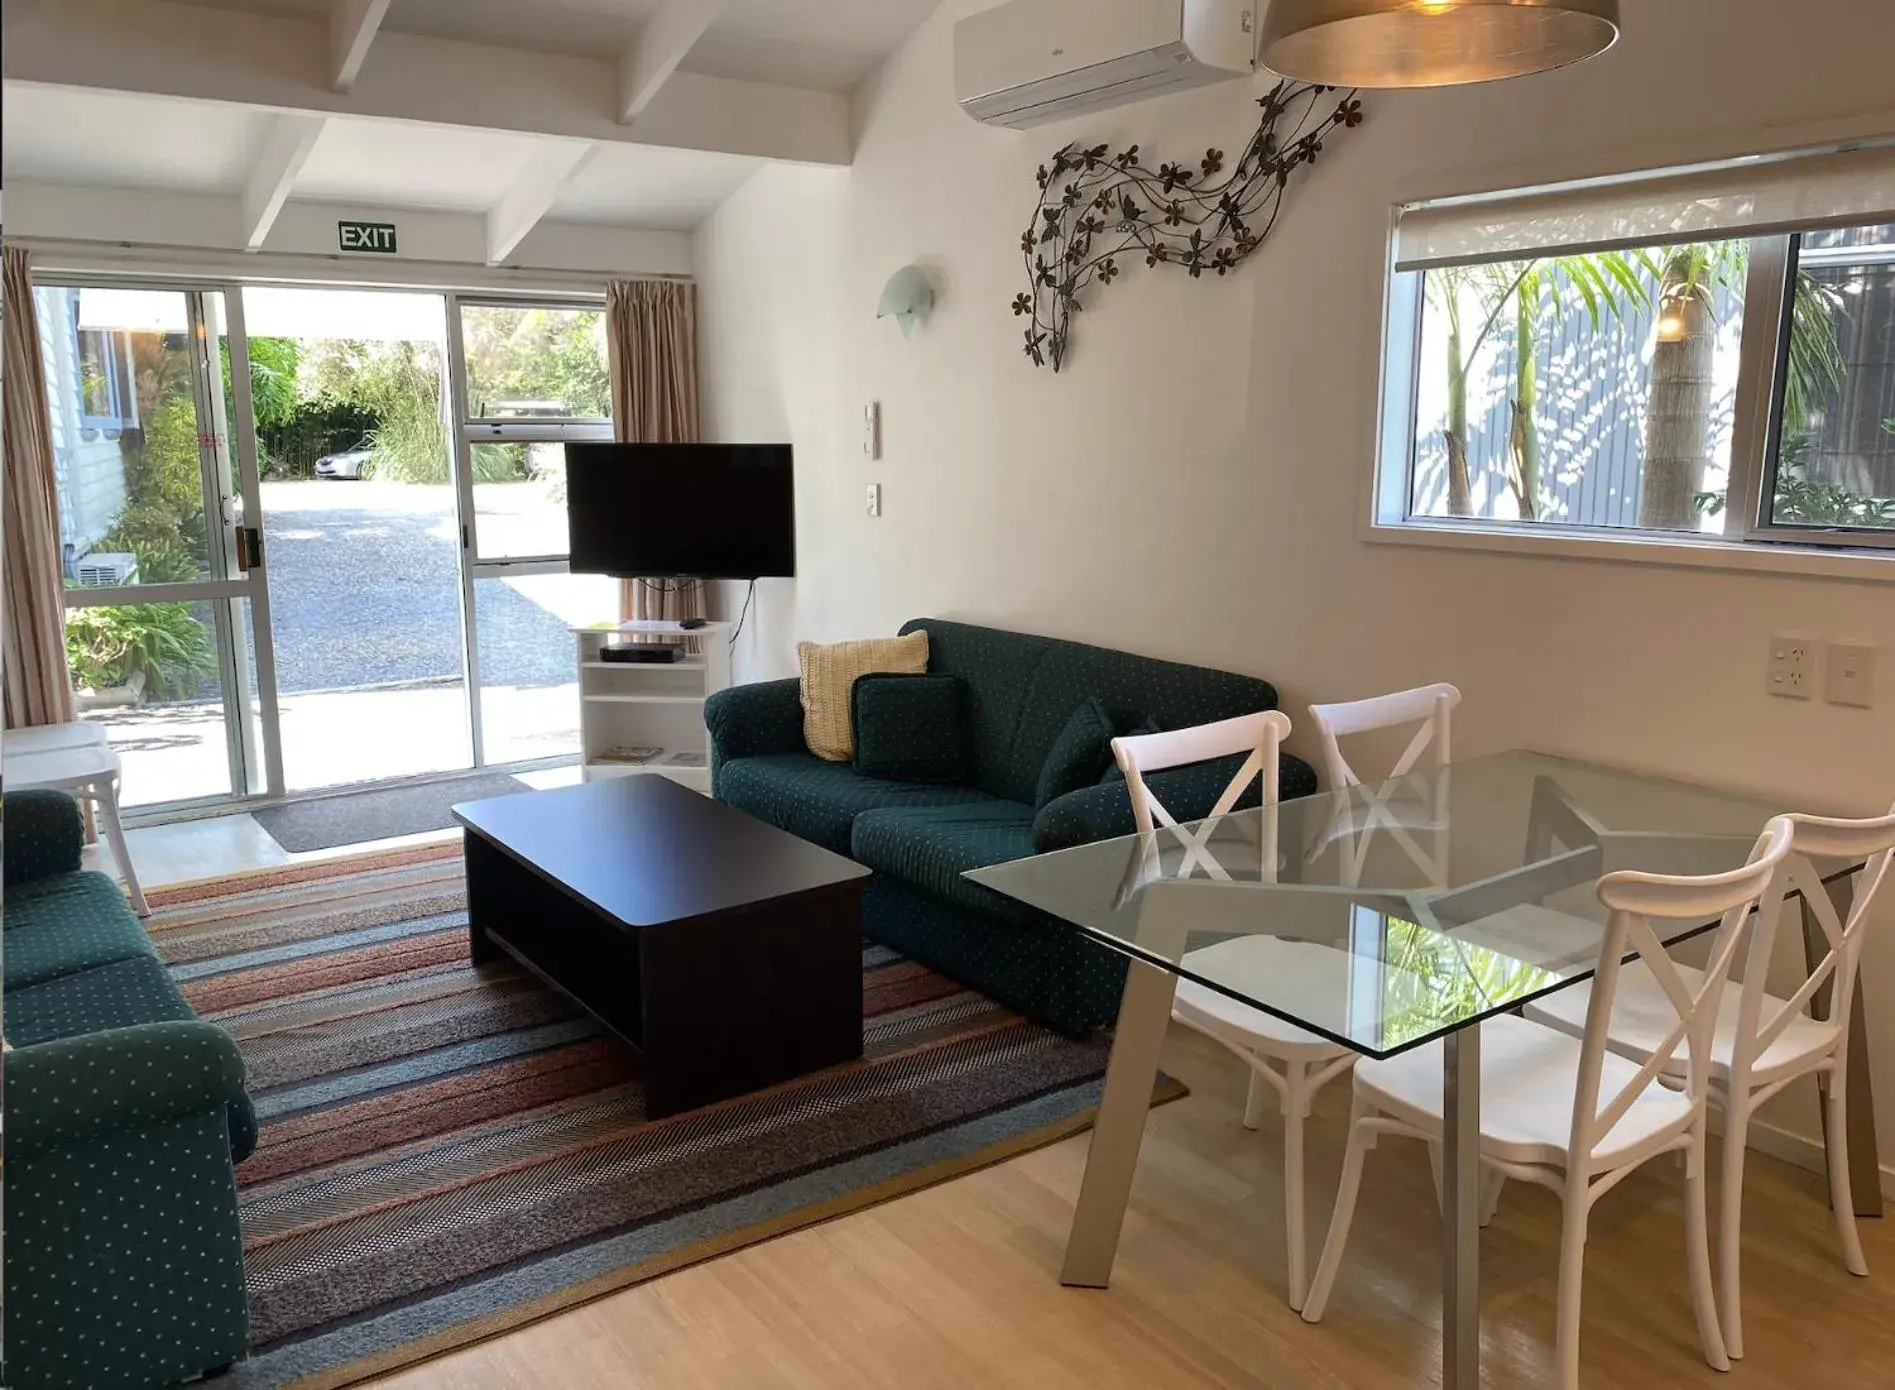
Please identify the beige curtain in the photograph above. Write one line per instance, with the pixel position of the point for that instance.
(653, 327)
(37, 689)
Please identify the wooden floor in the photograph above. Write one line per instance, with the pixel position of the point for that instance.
(956, 1287)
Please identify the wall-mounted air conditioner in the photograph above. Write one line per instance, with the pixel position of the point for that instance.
(102, 569)
(1033, 61)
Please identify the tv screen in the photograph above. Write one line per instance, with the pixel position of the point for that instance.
(699, 511)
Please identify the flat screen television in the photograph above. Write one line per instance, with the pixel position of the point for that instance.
(685, 511)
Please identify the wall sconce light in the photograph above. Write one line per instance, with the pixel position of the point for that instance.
(909, 297)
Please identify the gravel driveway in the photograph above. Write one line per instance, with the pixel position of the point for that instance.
(365, 590)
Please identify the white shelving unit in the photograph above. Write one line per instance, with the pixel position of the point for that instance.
(626, 705)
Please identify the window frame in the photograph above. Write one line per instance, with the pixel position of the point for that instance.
(114, 360)
(1750, 538)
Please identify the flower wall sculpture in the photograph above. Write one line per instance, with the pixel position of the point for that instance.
(1096, 209)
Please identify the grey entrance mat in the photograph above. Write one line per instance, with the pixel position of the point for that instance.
(354, 817)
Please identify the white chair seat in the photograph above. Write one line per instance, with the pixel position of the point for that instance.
(1528, 1077)
(1261, 964)
(1642, 1018)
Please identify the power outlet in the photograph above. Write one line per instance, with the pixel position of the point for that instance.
(1793, 665)
(1851, 676)
(875, 499)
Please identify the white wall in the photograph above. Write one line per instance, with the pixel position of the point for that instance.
(1191, 485)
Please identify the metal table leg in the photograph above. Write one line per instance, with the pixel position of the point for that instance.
(1865, 1164)
(1460, 1212)
(1112, 1157)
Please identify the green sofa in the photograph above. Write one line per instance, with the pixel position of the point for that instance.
(920, 838)
(125, 1117)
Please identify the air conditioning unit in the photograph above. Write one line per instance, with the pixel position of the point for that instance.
(106, 569)
(1033, 61)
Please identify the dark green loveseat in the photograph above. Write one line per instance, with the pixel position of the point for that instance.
(125, 1116)
(920, 838)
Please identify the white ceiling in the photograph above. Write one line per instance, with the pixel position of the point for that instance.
(830, 45)
(106, 138)
(55, 136)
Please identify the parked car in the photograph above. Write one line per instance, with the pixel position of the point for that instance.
(350, 463)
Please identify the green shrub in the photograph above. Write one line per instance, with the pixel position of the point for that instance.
(105, 646)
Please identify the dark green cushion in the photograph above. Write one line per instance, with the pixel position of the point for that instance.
(818, 800)
(1080, 755)
(910, 728)
(44, 835)
(930, 847)
(67, 923)
(118, 995)
(1022, 689)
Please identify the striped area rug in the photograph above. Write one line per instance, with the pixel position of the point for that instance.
(449, 1152)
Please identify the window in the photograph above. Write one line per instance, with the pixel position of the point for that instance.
(106, 401)
(1673, 360)
(537, 377)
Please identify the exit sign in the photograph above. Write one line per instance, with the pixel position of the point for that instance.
(367, 236)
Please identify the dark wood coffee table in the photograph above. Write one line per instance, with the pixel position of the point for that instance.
(726, 951)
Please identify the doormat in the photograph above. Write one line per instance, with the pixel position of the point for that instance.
(325, 822)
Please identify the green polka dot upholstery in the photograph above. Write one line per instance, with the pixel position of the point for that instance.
(819, 801)
(1080, 755)
(67, 923)
(932, 846)
(1048, 972)
(44, 836)
(752, 721)
(910, 728)
(107, 996)
(1104, 811)
(1020, 692)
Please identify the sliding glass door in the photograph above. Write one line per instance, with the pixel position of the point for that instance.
(166, 603)
(316, 536)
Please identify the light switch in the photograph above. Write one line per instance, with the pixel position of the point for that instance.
(1851, 677)
(875, 499)
(872, 431)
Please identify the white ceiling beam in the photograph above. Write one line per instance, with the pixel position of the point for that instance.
(284, 153)
(663, 40)
(353, 25)
(531, 197)
(278, 62)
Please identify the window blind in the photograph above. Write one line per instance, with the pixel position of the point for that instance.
(1764, 196)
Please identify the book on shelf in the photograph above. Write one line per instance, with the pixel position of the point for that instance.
(685, 760)
(631, 755)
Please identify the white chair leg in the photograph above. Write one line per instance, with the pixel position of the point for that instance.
(1319, 1287)
(1730, 1220)
(1295, 1115)
(1698, 1251)
(1493, 1183)
(107, 796)
(1572, 1268)
(1255, 1099)
(1841, 1198)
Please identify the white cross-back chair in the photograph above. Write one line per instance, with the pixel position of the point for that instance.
(1283, 1058)
(1762, 1042)
(1429, 707)
(1572, 1115)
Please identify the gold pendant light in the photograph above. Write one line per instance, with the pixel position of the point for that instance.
(1431, 43)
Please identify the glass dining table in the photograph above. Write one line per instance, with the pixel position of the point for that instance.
(1450, 896)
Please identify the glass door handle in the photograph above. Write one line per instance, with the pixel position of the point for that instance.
(249, 548)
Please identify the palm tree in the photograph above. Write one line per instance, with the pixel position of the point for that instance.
(1534, 291)
(1678, 419)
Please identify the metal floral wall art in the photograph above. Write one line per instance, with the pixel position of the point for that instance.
(1097, 210)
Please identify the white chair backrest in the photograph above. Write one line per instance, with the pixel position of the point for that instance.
(1259, 735)
(1428, 705)
(1815, 837)
(1636, 901)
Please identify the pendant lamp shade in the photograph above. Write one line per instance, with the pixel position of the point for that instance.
(1431, 43)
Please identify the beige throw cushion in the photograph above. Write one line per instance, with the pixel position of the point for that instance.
(829, 676)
